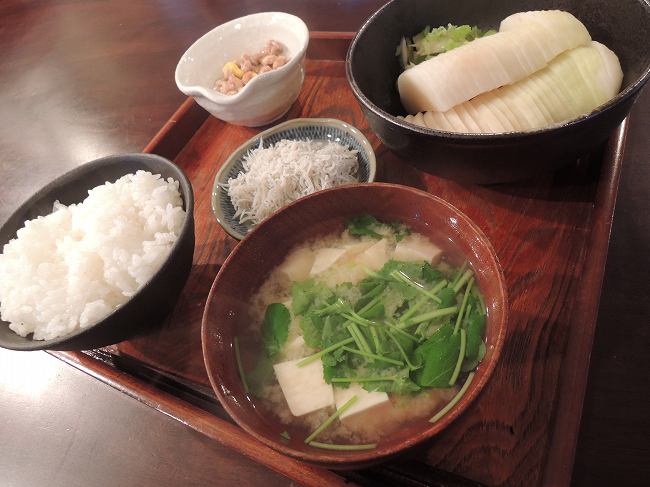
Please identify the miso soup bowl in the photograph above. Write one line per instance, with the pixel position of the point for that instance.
(324, 213)
(372, 70)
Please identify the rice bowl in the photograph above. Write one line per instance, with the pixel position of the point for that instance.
(73, 267)
(148, 305)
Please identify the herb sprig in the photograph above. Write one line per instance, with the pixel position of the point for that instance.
(411, 327)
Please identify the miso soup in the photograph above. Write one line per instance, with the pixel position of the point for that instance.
(361, 332)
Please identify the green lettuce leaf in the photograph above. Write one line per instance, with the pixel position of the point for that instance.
(431, 42)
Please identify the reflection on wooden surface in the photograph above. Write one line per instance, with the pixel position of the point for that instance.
(59, 427)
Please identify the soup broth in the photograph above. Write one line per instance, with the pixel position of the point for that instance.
(376, 326)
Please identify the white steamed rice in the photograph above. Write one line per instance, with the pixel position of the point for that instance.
(73, 267)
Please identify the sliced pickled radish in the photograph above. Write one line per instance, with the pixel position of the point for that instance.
(575, 83)
(527, 43)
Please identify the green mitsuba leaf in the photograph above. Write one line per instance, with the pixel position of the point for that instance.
(411, 269)
(400, 230)
(368, 225)
(399, 383)
(430, 274)
(333, 331)
(276, 327)
(341, 368)
(363, 225)
(447, 296)
(471, 363)
(310, 294)
(302, 296)
(312, 326)
(475, 330)
(375, 312)
(438, 356)
(375, 320)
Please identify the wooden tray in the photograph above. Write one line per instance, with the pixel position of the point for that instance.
(551, 236)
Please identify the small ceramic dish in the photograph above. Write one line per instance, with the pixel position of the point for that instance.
(265, 98)
(296, 129)
(228, 307)
(155, 299)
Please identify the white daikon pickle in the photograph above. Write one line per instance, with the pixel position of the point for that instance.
(526, 43)
(574, 84)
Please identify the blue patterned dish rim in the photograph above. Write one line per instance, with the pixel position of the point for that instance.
(296, 129)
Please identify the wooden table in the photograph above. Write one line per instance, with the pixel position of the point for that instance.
(81, 80)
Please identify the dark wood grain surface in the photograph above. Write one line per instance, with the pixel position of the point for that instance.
(85, 79)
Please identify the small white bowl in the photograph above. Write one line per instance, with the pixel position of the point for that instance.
(266, 97)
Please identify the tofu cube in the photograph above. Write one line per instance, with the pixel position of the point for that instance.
(354, 249)
(304, 387)
(375, 256)
(416, 248)
(298, 264)
(324, 259)
(366, 402)
(295, 349)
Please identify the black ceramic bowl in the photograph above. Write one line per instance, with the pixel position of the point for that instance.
(372, 70)
(156, 298)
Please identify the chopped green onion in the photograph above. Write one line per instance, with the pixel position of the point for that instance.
(331, 419)
(468, 273)
(400, 276)
(239, 365)
(436, 313)
(461, 356)
(318, 355)
(462, 306)
(454, 400)
(331, 446)
(285, 435)
(373, 356)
